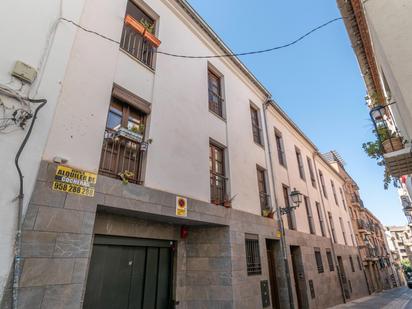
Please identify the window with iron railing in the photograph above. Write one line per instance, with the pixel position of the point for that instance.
(217, 175)
(320, 217)
(318, 258)
(330, 260)
(290, 215)
(138, 38)
(280, 148)
(300, 163)
(121, 152)
(311, 173)
(332, 227)
(332, 184)
(253, 263)
(256, 127)
(263, 195)
(309, 215)
(215, 93)
(322, 183)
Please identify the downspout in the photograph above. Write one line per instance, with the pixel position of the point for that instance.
(329, 227)
(283, 245)
(20, 197)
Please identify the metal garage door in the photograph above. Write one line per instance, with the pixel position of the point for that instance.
(129, 273)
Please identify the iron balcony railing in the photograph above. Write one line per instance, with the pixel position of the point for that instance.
(120, 157)
(137, 46)
(217, 189)
(264, 200)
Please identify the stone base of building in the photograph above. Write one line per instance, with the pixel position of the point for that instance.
(321, 287)
(63, 234)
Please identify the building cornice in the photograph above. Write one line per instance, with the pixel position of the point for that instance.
(356, 24)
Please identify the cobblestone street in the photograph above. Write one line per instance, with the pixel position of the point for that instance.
(399, 298)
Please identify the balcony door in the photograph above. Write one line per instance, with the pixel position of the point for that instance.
(122, 139)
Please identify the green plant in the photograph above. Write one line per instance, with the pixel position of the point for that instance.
(267, 212)
(376, 99)
(138, 129)
(374, 150)
(406, 265)
(125, 176)
(148, 25)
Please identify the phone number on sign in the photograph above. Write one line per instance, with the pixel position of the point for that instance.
(66, 187)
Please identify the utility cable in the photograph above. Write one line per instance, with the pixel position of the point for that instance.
(214, 56)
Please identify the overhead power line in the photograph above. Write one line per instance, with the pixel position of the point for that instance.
(220, 55)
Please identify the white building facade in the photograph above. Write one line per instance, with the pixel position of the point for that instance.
(187, 159)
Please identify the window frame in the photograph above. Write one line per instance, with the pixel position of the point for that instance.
(301, 166)
(343, 230)
(280, 148)
(290, 215)
(321, 219)
(352, 266)
(215, 108)
(311, 172)
(253, 259)
(262, 186)
(335, 197)
(214, 173)
(309, 215)
(322, 183)
(256, 125)
(319, 262)
(329, 257)
(332, 227)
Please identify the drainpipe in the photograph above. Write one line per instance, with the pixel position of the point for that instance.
(20, 197)
(328, 226)
(283, 246)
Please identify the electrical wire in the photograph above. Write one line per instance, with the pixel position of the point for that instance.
(215, 56)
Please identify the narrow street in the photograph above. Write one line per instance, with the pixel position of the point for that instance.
(399, 298)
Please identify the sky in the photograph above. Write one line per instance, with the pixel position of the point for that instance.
(317, 81)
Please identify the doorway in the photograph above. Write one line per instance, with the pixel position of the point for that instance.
(129, 273)
(299, 276)
(274, 288)
(343, 277)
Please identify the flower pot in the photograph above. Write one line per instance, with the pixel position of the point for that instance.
(270, 215)
(151, 38)
(392, 144)
(227, 204)
(138, 27)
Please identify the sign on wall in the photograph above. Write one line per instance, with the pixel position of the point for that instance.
(181, 206)
(75, 181)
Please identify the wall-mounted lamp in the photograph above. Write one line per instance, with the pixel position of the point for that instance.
(296, 198)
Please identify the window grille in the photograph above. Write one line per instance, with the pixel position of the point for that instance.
(330, 260)
(319, 262)
(253, 263)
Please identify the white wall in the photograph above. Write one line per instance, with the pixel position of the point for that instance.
(26, 28)
(180, 122)
(390, 25)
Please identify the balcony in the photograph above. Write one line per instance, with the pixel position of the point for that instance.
(139, 42)
(363, 226)
(121, 156)
(218, 189)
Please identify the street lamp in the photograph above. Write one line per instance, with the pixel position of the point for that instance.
(296, 198)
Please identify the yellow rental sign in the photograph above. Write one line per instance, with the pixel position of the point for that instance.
(70, 180)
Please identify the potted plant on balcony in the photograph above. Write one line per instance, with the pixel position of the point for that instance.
(268, 212)
(149, 33)
(390, 142)
(126, 176)
(227, 203)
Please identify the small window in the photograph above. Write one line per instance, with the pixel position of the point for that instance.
(300, 163)
(215, 94)
(280, 148)
(289, 215)
(309, 215)
(320, 217)
(359, 262)
(311, 173)
(332, 184)
(322, 183)
(256, 127)
(253, 263)
(318, 258)
(351, 264)
(217, 174)
(330, 260)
